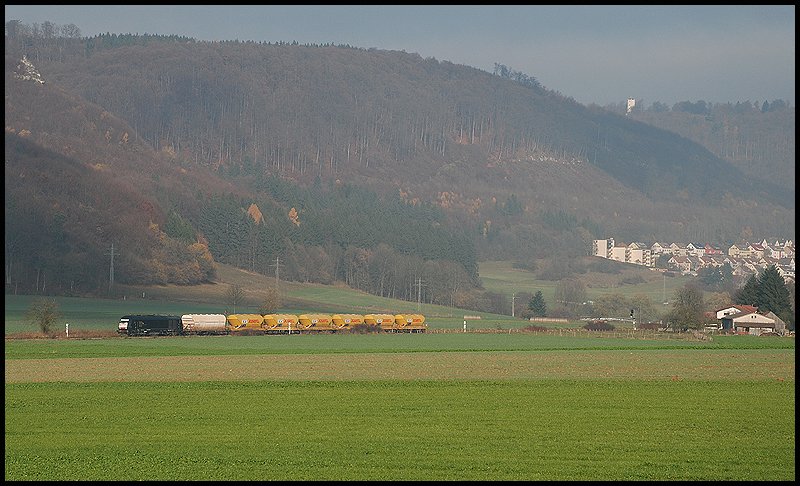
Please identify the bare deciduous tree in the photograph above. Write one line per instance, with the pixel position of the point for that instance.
(235, 295)
(44, 313)
(271, 301)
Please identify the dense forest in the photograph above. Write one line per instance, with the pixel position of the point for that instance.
(335, 163)
(757, 137)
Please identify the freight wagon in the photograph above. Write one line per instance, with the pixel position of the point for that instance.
(385, 321)
(345, 322)
(315, 323)
(246, 323)
(410, 323)
(204, 324)
(280, 323)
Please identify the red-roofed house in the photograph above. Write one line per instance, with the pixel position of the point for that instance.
(735, 309)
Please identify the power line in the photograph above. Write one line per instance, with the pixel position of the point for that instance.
(419, 293)
(111, 268)
(513, 299)
(277, 271)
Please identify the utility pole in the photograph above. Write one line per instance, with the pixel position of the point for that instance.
(277, 271)
(513, 298)
(111, 268)
(419, 293)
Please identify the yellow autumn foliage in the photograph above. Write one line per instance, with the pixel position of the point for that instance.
(294, 217)
(255, 213)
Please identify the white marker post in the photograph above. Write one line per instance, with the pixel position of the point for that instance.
(465, 326)
(68, 329)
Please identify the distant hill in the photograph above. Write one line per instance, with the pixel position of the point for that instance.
(758, 138)
(376, 168)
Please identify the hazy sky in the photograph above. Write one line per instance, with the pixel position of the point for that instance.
(595, 54)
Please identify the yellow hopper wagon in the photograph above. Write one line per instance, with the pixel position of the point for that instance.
(385, 321)
(315, 323)
(410, 323)
(344, 322)
(246, 323)
(281, 323)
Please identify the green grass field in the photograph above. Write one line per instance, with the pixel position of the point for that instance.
(400, 430)
(435, 406)
(399, 407)
(503, 278)
(92, 314)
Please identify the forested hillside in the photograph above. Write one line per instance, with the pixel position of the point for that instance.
(758, 138)
(335, 163)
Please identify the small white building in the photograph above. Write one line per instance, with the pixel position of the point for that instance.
(750, 323)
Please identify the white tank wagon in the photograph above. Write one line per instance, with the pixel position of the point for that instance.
(204, 324)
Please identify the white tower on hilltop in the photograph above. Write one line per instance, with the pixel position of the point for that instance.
(631, 104)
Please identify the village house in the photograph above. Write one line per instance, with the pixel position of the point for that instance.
(756, 250)
(738, 251)
(744, 259)
(639, 254)
(675, 249)
(695, 249)
(682, 263)
(656, 249)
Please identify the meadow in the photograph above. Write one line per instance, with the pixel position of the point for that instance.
(521, 406)
(503, 278)
(96, 314)
(103, 314)
(494, 403)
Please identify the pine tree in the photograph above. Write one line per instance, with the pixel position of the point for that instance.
(773, 294)
(748, 295)
(538, 305)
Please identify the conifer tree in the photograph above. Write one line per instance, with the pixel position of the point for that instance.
(537, 304)
(748, 295)
(773, 294)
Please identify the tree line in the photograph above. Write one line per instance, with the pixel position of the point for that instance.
(768, 291)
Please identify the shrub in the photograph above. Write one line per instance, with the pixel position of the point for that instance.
(655, 326)
(365, 328)
(44, 314)
(599, 326)
(533, 328)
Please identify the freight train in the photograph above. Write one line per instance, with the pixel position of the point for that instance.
(197, 324)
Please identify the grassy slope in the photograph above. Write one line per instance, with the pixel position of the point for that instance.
(299, 298)
(502, 277)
